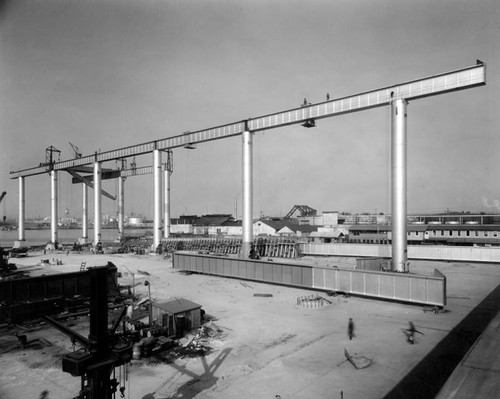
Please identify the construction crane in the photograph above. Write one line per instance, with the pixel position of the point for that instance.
(49, 158)
(304, 210)
(76, 150)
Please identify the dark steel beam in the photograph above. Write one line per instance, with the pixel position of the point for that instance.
(67, 331)
(89, 183)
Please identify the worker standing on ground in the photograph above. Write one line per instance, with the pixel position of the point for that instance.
(350, 329)
(410, 333)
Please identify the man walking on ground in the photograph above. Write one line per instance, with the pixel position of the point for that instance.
(350, 329)
(410, 333)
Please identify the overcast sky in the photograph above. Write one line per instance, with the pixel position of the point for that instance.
(108, 74)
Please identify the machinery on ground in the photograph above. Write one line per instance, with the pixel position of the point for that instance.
(103, 350)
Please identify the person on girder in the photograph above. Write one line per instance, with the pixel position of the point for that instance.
(253, 253)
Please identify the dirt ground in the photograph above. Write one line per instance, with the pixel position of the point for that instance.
(261, 346)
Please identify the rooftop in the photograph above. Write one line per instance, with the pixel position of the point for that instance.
(177, 305)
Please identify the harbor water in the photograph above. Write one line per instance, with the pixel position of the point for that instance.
(65, 236)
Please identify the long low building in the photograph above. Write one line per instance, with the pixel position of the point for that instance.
(449, 234)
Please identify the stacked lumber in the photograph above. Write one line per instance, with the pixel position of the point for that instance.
(270, 247)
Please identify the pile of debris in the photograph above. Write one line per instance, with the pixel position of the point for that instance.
(201, 343)
(312, 301)
(157, 348)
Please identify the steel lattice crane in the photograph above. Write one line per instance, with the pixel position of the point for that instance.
(76, 150)
(304, 210)
(49, 157)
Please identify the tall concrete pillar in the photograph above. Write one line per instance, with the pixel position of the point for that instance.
(85, 213)
(157, 194)
(22, 209)
(166, 221)
(247, 238)
(97, 202)
(399, 189)
(54, 206)
(121, 206)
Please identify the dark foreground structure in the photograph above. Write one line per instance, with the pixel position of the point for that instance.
(28, 298)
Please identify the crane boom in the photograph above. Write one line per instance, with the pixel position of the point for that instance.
(76, 150)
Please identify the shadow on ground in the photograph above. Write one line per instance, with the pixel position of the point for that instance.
(427, 378)
(197, 383)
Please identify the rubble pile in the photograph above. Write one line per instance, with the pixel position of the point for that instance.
(312, 301)
(155, 350)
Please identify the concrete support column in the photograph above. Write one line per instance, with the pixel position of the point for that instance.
(22, 210)
(54, 206)
(121, 207)
(247, 238)
(166, 221)
(157, 194)
(399, 190)
(97, 202)
(85, 213)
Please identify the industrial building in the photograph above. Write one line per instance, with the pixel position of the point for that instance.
(445, 234)
(178, 315)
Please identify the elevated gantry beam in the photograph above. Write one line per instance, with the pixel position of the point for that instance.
(461, 79)
(397, 96)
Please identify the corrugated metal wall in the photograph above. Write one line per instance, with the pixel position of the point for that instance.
(434, 252)
(430, 290)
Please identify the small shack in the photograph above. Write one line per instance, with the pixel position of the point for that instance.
(178, 316)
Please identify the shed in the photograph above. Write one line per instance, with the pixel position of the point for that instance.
(178, 315)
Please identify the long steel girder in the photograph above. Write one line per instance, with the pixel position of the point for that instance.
(438, 84)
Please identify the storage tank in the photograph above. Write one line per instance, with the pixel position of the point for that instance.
(135, 221)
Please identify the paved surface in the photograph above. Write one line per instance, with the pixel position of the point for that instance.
(268, 346)
(478, 374)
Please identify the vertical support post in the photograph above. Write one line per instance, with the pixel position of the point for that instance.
(53, 206)
(121, 206)
(85, 213)
(167, 173)
(22, 209)
(399, 190)
(150, 307)
(97, 202)
(157, 193)
(98, 331)
(247, 224)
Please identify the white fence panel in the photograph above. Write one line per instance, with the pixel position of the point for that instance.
(429, 252)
